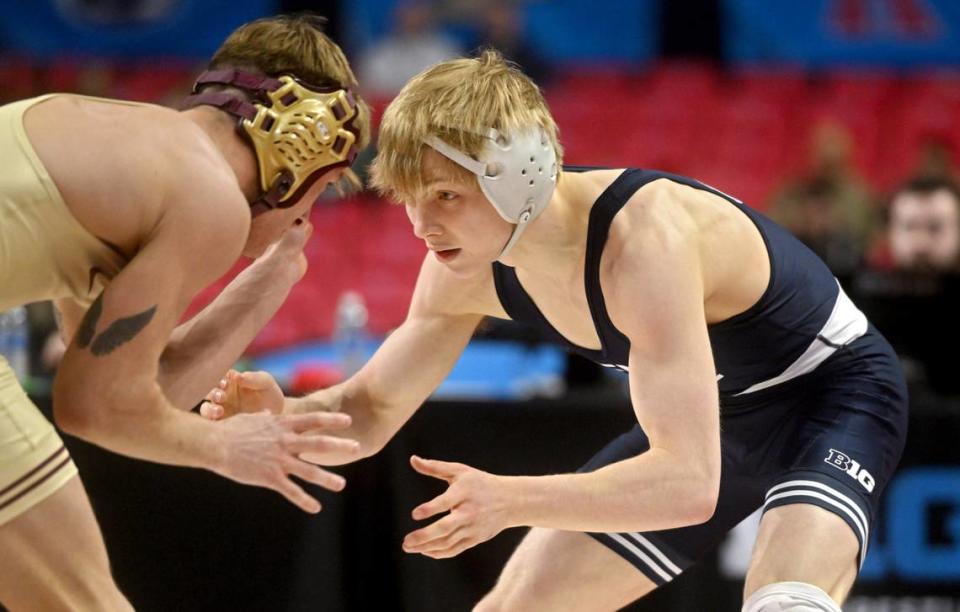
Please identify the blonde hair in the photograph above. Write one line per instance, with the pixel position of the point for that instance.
(458, 101)
(294, 45)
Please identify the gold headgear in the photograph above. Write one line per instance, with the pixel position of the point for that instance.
(298, 131)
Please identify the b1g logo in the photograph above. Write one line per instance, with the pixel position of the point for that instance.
(851, 467)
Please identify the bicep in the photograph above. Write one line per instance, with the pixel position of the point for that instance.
(119, 340)
(672, 373)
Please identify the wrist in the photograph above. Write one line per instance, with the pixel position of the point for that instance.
(517, 494)
(215, 448)
(294, 405)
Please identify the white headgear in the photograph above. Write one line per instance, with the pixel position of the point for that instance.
(517, 172)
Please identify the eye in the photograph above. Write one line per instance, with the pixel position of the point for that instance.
(446, 195)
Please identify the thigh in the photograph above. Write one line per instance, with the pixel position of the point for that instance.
(33, 460)
(563, 570)
(804, 543)
(846, 441)
(840, 453)
(54, 557)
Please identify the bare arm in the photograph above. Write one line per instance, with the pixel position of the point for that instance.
(655, 297)
(405, 370)
(201, 349)
(106, 389)
(657, 301)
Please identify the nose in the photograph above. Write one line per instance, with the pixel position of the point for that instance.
(423, 222)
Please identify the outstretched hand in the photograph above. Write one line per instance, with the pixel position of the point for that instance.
(477, 503)
(264, 450)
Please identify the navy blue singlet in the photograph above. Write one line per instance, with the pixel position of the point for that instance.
(800, 320)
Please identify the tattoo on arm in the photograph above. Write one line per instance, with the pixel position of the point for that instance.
(117, 333)
(89, 324)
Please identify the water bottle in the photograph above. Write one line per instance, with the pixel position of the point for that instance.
(350, 332)
(14, 341)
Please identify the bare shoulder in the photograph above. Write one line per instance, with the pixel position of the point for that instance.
(651, 259)
(443, 292)
(140, 162)
(655, 221)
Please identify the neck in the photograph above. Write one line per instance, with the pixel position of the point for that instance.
(221, 128)
(557, 235)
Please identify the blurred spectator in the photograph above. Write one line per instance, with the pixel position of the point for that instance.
(924, 226)
(501, 27)
(413, 45)
(913, 294)
(830, 208)
(818, 221)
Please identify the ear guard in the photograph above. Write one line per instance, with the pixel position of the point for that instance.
(298, 131)
(517, 172)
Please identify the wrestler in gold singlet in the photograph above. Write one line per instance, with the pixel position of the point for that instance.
(121, 213)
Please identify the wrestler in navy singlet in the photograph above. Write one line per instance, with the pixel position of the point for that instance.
(812, 399)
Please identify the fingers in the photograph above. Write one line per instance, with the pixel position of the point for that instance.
(226, 391)
(451, 546)
(437, 469)
(296, 495)
(419, 540)
(306, 443)
(211, 411)
(313, 474)
(315, 420)
(441, 503)
(254, 381)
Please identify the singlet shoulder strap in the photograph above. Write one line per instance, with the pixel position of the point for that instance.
(517, 303)
(613, 198)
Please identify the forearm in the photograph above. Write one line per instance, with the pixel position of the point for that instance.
(206, 346)
(372, 423)
(147, 427)
(650, 492)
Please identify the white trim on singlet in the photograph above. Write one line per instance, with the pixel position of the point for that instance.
(670, 565)
(647, 560)
(845, 324)
(802, 488)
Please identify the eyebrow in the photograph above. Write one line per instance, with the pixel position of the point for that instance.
(434, 181)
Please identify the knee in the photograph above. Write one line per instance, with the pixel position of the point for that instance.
(512, 594)
(797, 596)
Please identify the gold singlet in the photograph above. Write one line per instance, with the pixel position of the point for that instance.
(45, 254)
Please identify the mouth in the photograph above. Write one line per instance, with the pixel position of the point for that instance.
(446, 255)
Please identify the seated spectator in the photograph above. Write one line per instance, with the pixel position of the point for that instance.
(924, 227)
(912, 294)
(829, 207)
(413, 45)
(816, 219)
